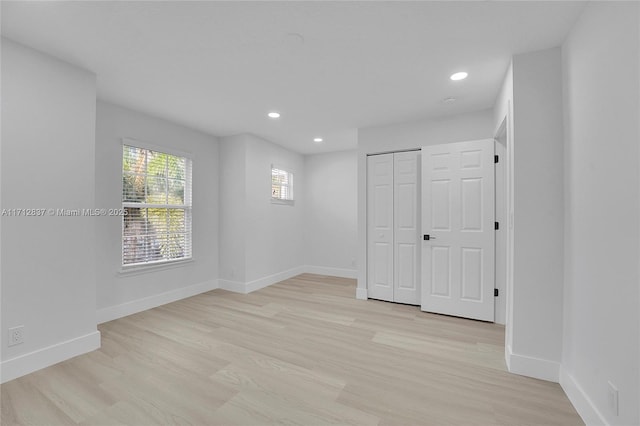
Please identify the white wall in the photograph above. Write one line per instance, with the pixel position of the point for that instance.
(266, 238)
(503, 100)
(600, 59)
(330, 217)
(412, 135)
(120, 293)
(274, 232)
(538, 214)
(48, 263)
(233, 214)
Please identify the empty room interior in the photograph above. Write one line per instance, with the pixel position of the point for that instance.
(251, 213)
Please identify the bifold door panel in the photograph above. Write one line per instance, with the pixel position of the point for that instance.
(393, 227)
(406, 219)
(380, 226)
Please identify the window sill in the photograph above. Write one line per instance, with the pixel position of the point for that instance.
(283, 202)
(154, 267)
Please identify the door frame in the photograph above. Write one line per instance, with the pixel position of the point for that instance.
(506, 129)
(505, 133)
(500, 311)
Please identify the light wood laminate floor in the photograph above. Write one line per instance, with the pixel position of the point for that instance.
(303, 351)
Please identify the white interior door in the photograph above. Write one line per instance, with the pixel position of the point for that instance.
(380, 227)
(406, 183)
(458, 218)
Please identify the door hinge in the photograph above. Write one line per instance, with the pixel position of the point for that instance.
(496, 158)
(496, 225)
(495, 292)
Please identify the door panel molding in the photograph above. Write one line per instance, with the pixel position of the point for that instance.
(460, 222)
(394, 221)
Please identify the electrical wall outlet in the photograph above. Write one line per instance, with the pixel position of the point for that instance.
(16, 335)
(612, 395)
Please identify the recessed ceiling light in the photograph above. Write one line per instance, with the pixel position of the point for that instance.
(317, 139)
(459, 76)
(274, 114)
(449, 100)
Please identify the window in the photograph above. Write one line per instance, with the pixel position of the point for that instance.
(156, 197)
(281, 184)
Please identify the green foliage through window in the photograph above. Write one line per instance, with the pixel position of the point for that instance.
(156, 194)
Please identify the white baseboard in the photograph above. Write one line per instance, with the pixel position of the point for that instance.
(114, 312)
(361, 293)
(42, 358)
(333, 272)
(580, 400)
(245, 288)
(537, 368)
(275, 278)
(235, 286)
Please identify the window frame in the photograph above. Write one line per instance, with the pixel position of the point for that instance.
(187, 207)
(289, 186)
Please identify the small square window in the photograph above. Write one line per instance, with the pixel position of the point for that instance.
(281, 184)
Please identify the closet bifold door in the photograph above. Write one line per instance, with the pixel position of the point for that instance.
(393, 226)
(380, 226)
(406, 228)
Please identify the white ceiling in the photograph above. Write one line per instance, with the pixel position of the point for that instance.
(221, 66)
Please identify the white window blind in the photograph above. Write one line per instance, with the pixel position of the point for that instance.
(281, 184)
(156, 195)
